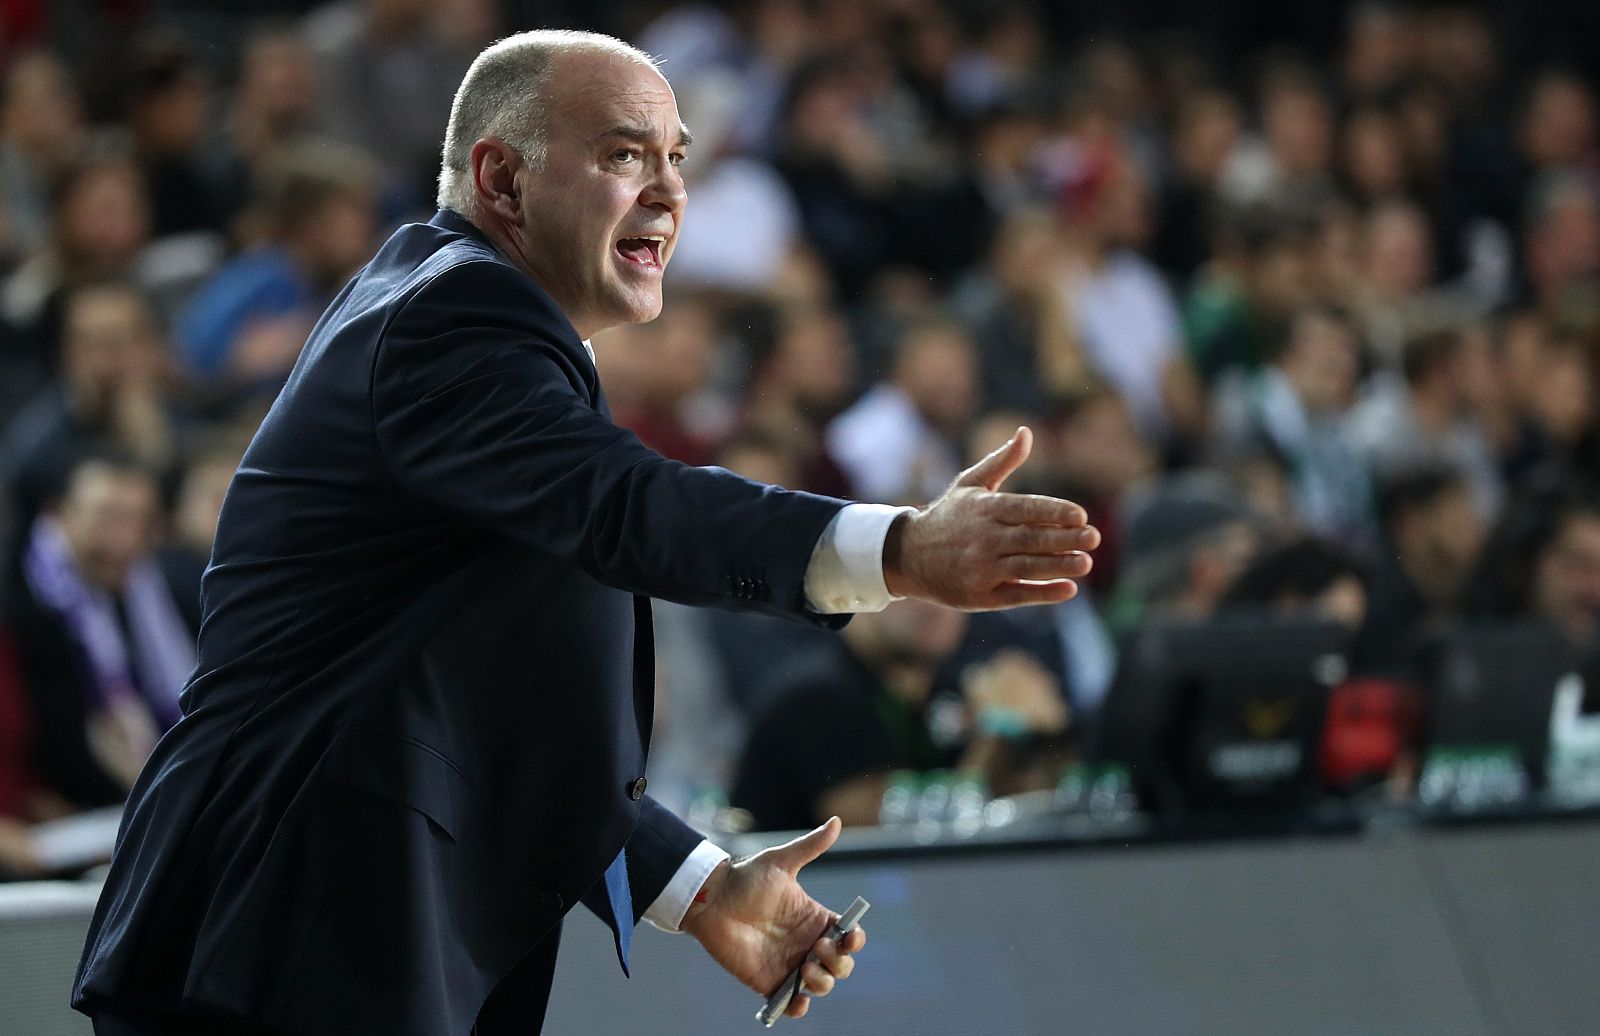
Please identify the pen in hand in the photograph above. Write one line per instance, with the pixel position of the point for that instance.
(778, 1002)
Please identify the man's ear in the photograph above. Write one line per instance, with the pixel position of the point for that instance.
(494, 165)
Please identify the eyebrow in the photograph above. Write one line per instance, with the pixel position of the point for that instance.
(645, 135)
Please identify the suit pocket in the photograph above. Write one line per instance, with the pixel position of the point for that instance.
(403, 770)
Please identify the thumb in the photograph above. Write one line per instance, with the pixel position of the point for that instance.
(791, 856)
(994, 469)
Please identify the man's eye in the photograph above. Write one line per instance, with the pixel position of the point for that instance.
(676, 158)
(625, 155)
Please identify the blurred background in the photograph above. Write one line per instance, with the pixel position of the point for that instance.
(1302, 302)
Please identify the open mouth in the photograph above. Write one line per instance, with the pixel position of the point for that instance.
(642, 251)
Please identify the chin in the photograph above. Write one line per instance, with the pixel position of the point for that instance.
(641, 312)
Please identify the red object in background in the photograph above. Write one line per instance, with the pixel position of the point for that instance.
(1371, 720)
(16, 729)
(1102, 578)
(21, 24)
(665, 434)
(1083, 170)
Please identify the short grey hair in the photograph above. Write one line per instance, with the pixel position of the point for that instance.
(504, 95)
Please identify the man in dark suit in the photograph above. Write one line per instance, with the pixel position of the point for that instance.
(417, 729)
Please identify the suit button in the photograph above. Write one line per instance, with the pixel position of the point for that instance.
(636, 789)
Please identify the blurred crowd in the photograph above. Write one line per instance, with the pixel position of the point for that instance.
(1310, 331)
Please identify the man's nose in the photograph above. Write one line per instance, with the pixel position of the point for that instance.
(665, 189)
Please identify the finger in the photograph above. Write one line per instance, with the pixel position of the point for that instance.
(1031, 509)
(1044, 567)
(998, 466)
(798, 1006)
(1047, 539)
(791, 856)
(833, 960)
(1016, 595)
(854, 940)
(814, 978)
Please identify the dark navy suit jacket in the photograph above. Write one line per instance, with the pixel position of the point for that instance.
(425, 674)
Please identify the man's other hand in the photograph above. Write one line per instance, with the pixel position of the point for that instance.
(758, 923)
(979, 549)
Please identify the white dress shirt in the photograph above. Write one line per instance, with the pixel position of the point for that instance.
(845, 574)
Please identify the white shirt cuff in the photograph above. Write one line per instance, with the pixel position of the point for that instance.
(666, 913)
(845, 573)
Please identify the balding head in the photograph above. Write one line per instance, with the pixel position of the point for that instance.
(506, 94)
(564, 151)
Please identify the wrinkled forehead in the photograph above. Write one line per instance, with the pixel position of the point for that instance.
(596, 92)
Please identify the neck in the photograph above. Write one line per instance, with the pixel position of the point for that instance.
(499, 235)
(510, 245)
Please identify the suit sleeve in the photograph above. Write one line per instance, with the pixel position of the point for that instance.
(657, 849)
(483, 410)
(659, 846)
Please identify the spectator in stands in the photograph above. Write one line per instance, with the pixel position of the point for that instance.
(1433, 535)
(1097, 455)
(840, 171)
(1391, 298)
(830, 741)
(802, 371)
(1258, 274)
(1298, 408)
(1373, 160)
(100, 219)
(655, 375)
(1290, 168)
(1304, 576)
(104, 649)
(899, 441)
(168, 110)
(1430, 415)
(113, 392)
(1003, 146)
(760, 457)
(1185, 541)
(387, 77)
(1543, 560)
(1204, 137)
(1559, 126)
(316, 210)
(1561, 244)
(1335, 258)
(1006, 54)
(1379, 50)
(1127, 319)
(41, 128)
(755, 654)
(273, 107)
(1550, 373)
(1027, 340)
(746, 223)
(1543, 400)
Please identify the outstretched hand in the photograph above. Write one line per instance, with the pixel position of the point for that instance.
(759, 924)
(979, 549)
